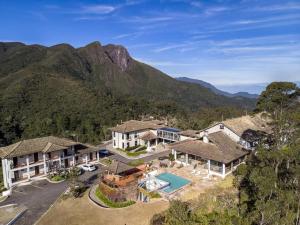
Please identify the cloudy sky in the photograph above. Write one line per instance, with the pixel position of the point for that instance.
(224, 42)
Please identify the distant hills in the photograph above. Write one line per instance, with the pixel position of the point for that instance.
(216, 90)
(255, 88)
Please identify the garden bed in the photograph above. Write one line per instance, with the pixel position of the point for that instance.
(136, 162)
(130, 151)
(56, 179)
(110, 203)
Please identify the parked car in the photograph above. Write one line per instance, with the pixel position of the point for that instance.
(104, 152)
(88, 167)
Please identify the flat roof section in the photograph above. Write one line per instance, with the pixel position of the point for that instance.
(170, 129)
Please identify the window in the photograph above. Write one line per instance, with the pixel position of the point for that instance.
(135, 143)
(128, 136)
(135, 135)
(122, 145)
(114, 143)
(222, 126)
(114, 134)
(128, 144)
(122, 136)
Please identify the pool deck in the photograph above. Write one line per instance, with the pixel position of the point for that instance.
(198, 185)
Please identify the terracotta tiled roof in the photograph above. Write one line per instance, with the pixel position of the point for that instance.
(190, 133)
(239, 125)
(148, 136)
(135, 125)
(221, 149)
(117, 167)
(243, 123)
(46, 144)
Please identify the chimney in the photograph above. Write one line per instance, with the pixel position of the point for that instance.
(205, 137)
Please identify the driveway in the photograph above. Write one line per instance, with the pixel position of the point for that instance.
(146, 158)
(38, 196)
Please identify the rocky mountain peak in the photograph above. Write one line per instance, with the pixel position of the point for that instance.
(118, 55)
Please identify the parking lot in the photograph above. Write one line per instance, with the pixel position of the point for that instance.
(38, 196)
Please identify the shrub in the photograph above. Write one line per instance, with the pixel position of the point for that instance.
(57, 178)
(110, 203)
(171, 157)
(132, 148)
(133, 154)
(77, 190)
(154, 194)
(158, 219)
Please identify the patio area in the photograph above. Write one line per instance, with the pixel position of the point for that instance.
(200, 181)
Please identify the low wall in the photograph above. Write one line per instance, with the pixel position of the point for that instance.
(120, 194)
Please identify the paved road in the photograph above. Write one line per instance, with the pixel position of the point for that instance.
(38, 196)
(147, 158)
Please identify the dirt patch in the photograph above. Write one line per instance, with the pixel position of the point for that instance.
(82, 212)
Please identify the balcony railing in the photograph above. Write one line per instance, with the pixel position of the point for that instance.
(168, 135)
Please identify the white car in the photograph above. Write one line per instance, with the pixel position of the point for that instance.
(88, 167)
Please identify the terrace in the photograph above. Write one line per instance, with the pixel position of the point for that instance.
(168, 134)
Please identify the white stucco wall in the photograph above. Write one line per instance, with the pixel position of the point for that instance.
(226, 130)
(182, 138)
(133, 138)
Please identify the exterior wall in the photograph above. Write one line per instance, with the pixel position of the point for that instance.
(120, 138)
(23, 170)
(226, 130)
(182, 138)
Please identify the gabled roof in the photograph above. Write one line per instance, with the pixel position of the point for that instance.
(250, 122)
(117, 167)
(148, 136)
(135, 125)
(241, 124)
(221, 149)
(50, 147)
(190, 133)
(43, 144)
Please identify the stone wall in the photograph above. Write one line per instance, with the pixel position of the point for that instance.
(119, 194)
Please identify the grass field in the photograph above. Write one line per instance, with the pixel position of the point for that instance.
(82, 211)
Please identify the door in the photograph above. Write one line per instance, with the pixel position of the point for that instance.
(91, 156)
(66, 163)
(16, 175)
(15, 161)
(37, 170)
(36, 157)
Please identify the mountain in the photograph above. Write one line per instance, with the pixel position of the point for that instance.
(83, 91)
(216, 90)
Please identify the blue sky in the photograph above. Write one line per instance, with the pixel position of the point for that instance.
(223, 42)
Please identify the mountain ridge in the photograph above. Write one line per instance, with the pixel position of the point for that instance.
(62, 89)
(216, 90)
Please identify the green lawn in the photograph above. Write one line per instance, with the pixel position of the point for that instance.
(133, 154)
(110, 203)
(136, 162)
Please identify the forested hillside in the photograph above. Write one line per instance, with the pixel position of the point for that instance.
(81, 92)
(267, 185)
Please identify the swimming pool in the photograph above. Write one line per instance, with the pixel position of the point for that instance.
(175, 182)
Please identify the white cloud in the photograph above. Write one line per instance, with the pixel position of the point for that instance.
(281, 7)
(97, 9)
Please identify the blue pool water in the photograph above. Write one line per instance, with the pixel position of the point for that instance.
(175, 182)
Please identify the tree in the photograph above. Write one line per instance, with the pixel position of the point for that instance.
(269, 182)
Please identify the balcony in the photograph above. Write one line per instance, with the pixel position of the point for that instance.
(168, 135)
